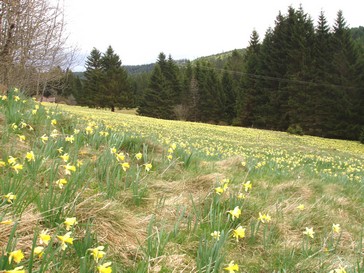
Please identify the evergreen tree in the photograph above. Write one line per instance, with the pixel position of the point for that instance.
(93, 79)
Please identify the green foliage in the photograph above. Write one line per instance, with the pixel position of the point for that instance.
(295, 129)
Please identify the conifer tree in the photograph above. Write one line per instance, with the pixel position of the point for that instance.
(93, 78)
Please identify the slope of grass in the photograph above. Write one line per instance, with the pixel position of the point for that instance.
(123, 193)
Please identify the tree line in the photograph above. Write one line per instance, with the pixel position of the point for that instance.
(301, 77)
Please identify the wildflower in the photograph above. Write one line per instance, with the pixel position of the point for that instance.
(17, 167)
(216, 235)
(4, 97)
(309, 232)
(336, 228)
(120, 156)
(18, 269)
(219, 190)
(21, 138)
(173, 146)
(61, 182)
(239, 233)
(97, 252)
(125, 166)
(232, 267)
(60, 150)
(36, 106)
(247, 186)
(16, 98)
(34, 111)
(235, 213)
(54, 122)
(68, 168)
(139, 156)
(30, 156)
(16, 90)
(89, 130)
(103, 133)
(301, 207)
(70, 139)
(10, 197)
(148, 167)
(6, 222)
(30, 128)
(2, 163)
(14, 126)
(65, 157)
(22, 124)
(65, 239)
(79, 163)
(104, 268)
(170, 151)
(39, 250)
(44, 138)
(44, 237)
(113, 150)
(338, 270)
(241, 195)
(11, 160)
(76, 131)
(69, 222)
(54, 133)
(16, 255)
(243, 163)
(169, 157)
(264, 218)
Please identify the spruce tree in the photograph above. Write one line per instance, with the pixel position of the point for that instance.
(93, 79)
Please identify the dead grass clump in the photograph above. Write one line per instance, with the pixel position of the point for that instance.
(204, 182)
(114, 226)
(230, 163)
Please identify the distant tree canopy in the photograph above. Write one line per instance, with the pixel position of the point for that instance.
(301, 75)
(105, 82)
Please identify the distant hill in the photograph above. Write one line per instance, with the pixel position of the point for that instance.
(137, 69)
(219, 58)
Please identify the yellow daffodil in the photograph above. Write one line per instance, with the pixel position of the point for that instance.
(34, 111)
(16, 98)
(104, 268)
(170, 151)
(336, 228)
(113, 150)
(235, 213)
(301, 207)
(70, 139)
(16, 90)
(139, 156)
(69, 168)
(60, 150)
(2, 163)
(169, 157)
(79, 163)
(219, 190)
(30, 156)
(4, 97)
(216, 235)
(239, 232)
(89, 130)
(11, 160)
(6, 222)
(69, 222)
(16, 256)
(17, 167)
(54, 133)
(264, 218)
(65, 239)
(76, 131)
(21, 138)
(39, 250)
(14, 126)
(247, 186)
(120, 157)
(148, 167)
(97, 252)
(44, 237)
(18, 269)
(54, 122)
(125, 166)
(61, 182)
(104, 133)
(231, 268)
(241, 195)
(10, 197)
(309, 232)
(338, 270)
(65, 157)
(44, 138)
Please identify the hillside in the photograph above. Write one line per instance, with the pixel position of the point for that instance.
(92, 191)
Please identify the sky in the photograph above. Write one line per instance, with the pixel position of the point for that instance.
(138, 30)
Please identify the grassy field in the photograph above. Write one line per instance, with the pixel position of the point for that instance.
(85, 190)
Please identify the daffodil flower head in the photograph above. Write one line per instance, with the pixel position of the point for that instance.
(239, 232)
(148, 166)
(338, 270)
(216, 235)
(39, 250)
(61, 182)
(65, 239)
(247, 186)
(6, 222)
(65, 157)
(17, 167)
(17, 256)
(139, 156)
(70, 139)
(44, 237)
(10, 197)
(264, 218)
(309, 232)
(232, 267)
(235, 213)
(301, 207)
(69, 222)
(125, 166)
(97, 252)
(30, 156)
(336, 228)
(69, 168)
(104, 268)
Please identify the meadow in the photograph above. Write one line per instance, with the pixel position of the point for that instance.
(88, 190)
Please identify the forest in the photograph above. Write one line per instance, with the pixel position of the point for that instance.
(301, 77)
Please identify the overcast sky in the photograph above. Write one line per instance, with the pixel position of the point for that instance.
(139, 30)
